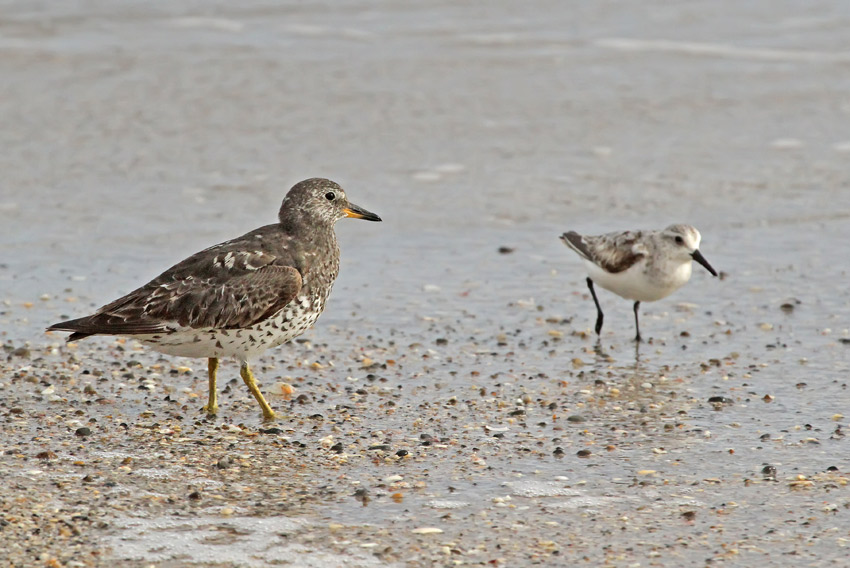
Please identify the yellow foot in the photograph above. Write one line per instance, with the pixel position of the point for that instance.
(248, 377)
(211, 410)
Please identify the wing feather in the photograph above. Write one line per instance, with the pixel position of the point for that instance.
(228, 286)
(613, 252)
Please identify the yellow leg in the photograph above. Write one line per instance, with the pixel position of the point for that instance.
(248, 377)
(212, 406)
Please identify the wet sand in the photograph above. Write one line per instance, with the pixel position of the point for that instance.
(452, 406)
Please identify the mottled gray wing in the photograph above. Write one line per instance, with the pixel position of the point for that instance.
(239, 289)
(219, 287)
(616, 252)
(613, 252)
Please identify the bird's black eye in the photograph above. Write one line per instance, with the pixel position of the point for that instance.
(680, 241)
(330, 196)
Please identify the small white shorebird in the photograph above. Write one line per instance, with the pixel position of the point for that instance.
(643, 266)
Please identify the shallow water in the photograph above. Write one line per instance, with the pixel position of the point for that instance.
(137, 133)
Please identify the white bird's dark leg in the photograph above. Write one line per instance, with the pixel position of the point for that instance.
(212, 405)
(637, 325)
(599, 315)
(248, 377)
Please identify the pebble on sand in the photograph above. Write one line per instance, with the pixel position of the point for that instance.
(427, 530)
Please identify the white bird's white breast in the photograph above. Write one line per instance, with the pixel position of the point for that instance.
(640, 282)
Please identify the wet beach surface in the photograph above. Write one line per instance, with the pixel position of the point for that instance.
(452, 406)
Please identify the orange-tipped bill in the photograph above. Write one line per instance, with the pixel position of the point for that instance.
(360, 213)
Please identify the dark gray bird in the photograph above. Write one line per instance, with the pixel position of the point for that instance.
(240, 297)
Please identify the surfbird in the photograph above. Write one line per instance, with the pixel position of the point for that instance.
(240, 297)
(643, 266)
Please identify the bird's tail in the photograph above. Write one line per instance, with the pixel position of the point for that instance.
(576, 242)
(76, 326)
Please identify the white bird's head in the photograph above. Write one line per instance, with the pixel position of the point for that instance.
(683, 241)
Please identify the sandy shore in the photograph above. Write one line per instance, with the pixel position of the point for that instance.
(452, 406)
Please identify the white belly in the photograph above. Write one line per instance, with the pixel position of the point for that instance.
(244, 343)
(637, 283)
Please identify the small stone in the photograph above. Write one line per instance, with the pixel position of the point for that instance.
(22, 352)
(427, 530)
(362, 495)
(83, 432)
(286, 390)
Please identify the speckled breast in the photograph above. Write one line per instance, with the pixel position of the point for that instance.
(296, 318)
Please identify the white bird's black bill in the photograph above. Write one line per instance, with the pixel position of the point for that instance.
(697, 255)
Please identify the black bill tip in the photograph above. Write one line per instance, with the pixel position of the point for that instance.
(697, 256)
(356, 212)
